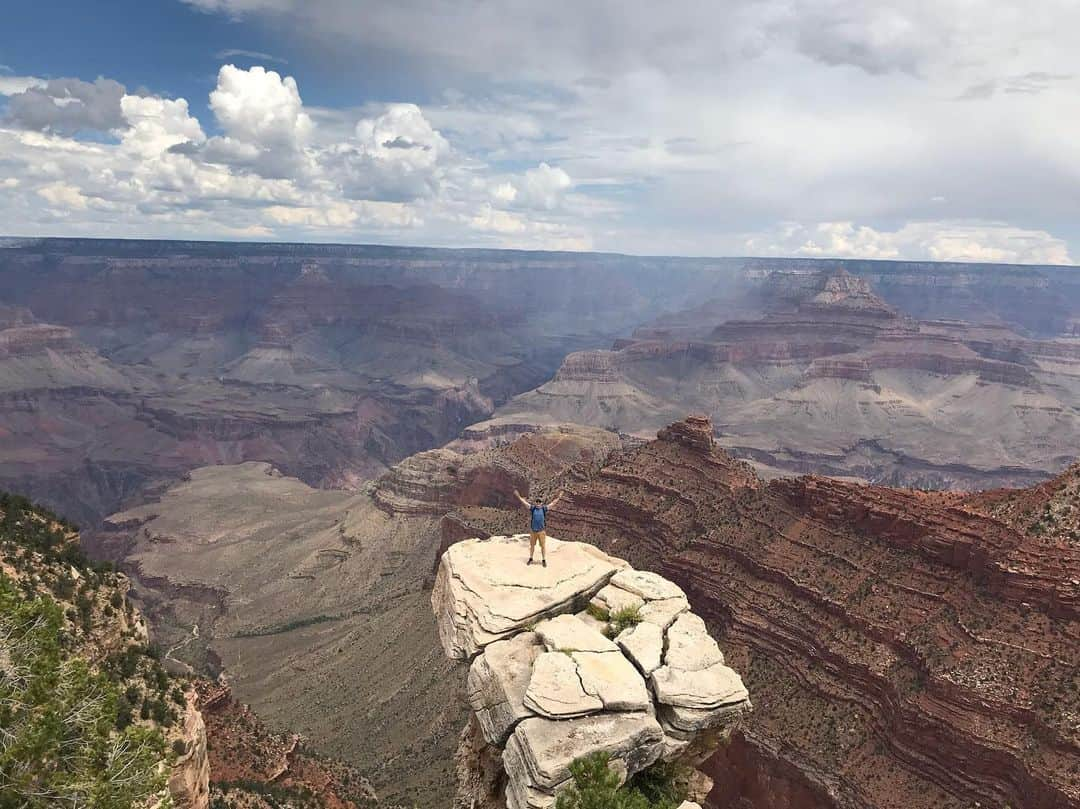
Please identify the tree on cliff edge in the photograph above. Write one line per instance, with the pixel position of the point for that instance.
(59, 745)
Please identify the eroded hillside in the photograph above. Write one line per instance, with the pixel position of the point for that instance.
(124, 364)
(833, 379)
(904, 648)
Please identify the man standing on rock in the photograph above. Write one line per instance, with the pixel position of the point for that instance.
(538, 512)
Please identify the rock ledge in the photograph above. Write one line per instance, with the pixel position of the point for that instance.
(549, 680)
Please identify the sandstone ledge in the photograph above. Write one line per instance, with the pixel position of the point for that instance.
(550, 681)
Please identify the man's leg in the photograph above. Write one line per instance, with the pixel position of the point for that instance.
(543, 547)
(532, 546)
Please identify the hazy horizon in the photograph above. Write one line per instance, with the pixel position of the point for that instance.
(7, 241)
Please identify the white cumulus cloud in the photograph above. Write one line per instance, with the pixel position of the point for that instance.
(933, 241)
(395, 156)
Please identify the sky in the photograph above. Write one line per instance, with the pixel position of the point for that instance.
(922, 129)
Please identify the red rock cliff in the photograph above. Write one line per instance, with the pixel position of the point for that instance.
(905, 649)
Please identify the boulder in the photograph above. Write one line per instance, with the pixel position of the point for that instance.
(570, 683)
(570, 633)
(485, 592)
(539, 753)
(644, 645)
(664, 611)
(714, 687)
(497, 683)
(646, 585)
(694, 676)
(556, 689)
(690, 647)
(614, 680)
(547, 686)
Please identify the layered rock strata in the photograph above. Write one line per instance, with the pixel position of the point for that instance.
(833, 379)
(583, 655)
(904, 648)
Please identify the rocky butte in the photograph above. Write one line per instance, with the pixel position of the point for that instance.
(583, 655)
(832, 378)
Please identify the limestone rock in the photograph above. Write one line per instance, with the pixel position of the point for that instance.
(556, 689)
(497, 683)
(694, 676)
(703, 689)
(647, 585)
(613, 599)
(644, 645)
(683, 724)
(614, 680)
(592, 623)
(540, 752)
(484, 591)
(664, 611)
(690, 647)
(547, 686)
(570, 633)
(189, 777)
(568, 684)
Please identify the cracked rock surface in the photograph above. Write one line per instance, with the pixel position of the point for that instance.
(550, 681)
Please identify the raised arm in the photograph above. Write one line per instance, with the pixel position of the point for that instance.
(558, 497)
(524, 502)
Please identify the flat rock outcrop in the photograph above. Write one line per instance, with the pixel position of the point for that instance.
(584, 655)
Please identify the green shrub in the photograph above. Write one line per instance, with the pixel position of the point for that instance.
(60, 744)
(598, 612)
(596, 786)
(625, 618)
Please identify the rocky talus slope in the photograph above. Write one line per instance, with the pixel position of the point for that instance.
(582, 655)
(904, 648)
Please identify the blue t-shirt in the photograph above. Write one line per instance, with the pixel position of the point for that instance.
(539, 514)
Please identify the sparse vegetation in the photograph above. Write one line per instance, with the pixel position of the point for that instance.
(625, 618)
(598, 612)
(289, 626)
(596, 786)
(65, 740)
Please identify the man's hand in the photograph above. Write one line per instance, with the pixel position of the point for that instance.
(556, 500)
(524, 502)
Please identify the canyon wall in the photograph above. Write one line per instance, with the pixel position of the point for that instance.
(833, 379)
(124, 364)
(903, 648)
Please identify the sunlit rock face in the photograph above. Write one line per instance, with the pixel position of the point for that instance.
(583, 655)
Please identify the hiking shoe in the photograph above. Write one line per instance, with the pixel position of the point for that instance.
(544, 563)
(529, 562)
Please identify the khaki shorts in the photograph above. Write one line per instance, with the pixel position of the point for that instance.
(537, 535)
